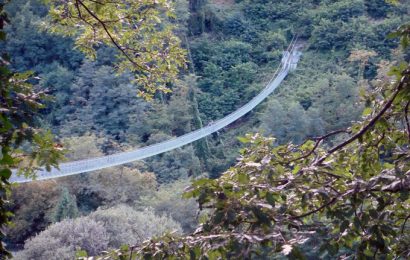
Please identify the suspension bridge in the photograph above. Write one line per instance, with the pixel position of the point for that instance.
(289, 63)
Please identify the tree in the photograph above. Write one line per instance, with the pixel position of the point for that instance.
(286, 122)
(125, 225)
(31, 49)
(177, 164)
(97, 100)
(377, 8)
(152, 52)
(201, 146)
(33, 206)
(139, 30)
(61, 240)
(23, 145)
(361, 56)
(119, 185)
(353, 196)
(66, 207)
(107, 187)
(167, 200)
(101, 230)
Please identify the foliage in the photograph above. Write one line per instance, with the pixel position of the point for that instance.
(234, 48)
(103, 229)
(232, 55)
(94, 100)
(167, 200)
(320, 104)
(225, 70)
(353, 196)
(33, 206)
(108, 187)
(61, 240)
(138, 29)
(31, 49)
(22, 145)
(377, 8)
(125, 225)
(122, 185)
(201, 146)
(66, 207)
(404, 33)
(83, 147)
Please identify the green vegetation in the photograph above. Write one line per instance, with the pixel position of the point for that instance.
(108, 228)
(305, 192)
(20, 102)
(318, 199)
(66, 206)
(139, 30)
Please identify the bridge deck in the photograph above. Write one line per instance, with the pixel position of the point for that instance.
(289, 62)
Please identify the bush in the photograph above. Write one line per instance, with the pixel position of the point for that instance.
(63, 239)
(101, 230)
(168, 200)
(125, 225)
(33, 204)
(121, 185)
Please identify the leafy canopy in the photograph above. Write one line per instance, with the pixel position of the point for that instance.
(22, 144)
(141, 31)
(351, 199)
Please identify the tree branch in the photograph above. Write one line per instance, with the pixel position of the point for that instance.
(119, 47)
(404, 224)
(372, 122)
(316, 210)
(318, 142)
(406, 112)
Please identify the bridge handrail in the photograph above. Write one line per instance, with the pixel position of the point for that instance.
(97, 163)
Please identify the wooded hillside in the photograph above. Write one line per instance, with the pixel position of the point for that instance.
(102, 106)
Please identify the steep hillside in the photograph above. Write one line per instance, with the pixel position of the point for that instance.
(233, 48)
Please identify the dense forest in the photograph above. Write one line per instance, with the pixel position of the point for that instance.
(232, 48)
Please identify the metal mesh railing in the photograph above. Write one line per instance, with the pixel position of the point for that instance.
(292, 56)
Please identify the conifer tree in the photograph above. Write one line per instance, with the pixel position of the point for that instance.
(66, 207)
(201, 146)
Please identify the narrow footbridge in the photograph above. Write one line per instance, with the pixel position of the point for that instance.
(289, 62)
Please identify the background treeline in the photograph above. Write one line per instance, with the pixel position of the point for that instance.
(234, 47)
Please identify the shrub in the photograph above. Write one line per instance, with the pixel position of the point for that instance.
(32, 204)
(101, 230)
(63, 239)
(125, 225)
(168, 200)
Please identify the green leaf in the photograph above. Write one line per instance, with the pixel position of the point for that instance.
(7, 159)
(81, 254)
(357, 223)
(296, 169)
(243, 140)
(243, 178)
(124, 247)
(270, 199)
(393, 35)
(367, 111)
(5, 173)
(297, 254)
(195, 252)
(344, 225)
(333, 248)
(373, 213)
(368, 252)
